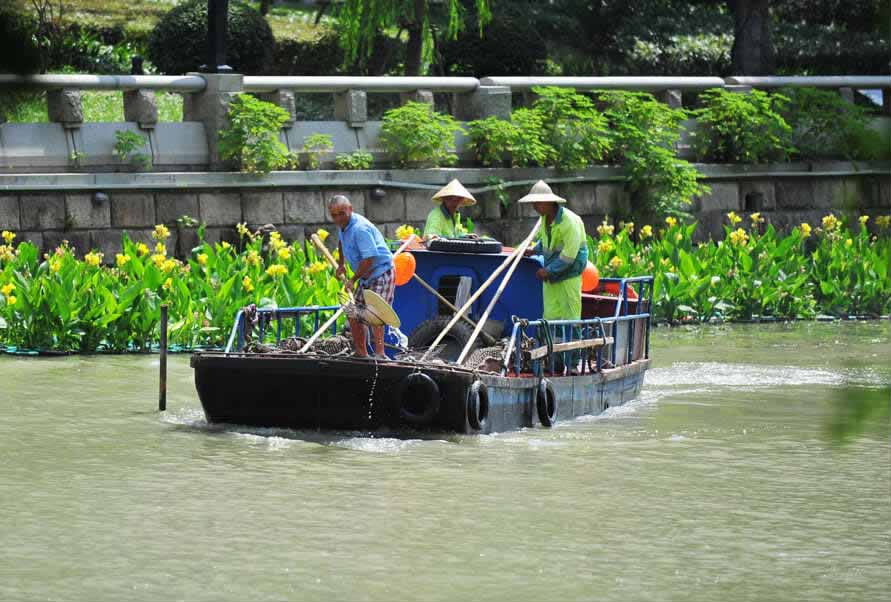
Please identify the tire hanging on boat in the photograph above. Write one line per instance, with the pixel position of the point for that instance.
(546, 403)
(419, 401)
(478, 405)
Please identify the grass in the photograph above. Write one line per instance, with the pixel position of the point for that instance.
(288, 20)
(99, 107)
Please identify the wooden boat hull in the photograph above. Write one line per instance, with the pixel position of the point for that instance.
(308, 392)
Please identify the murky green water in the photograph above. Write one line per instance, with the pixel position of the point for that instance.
(718, 484)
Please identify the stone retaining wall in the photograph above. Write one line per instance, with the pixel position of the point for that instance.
(294, 203)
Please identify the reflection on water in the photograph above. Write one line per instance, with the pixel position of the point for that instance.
(720, 481)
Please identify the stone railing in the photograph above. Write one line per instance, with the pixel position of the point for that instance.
(67, 143)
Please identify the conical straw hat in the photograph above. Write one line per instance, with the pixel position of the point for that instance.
(541, 193)
(378, 311)
(454, 188)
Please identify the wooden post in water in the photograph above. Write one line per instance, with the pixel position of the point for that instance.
(162, 393)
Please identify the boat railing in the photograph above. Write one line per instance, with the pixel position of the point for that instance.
(304, 318)
(615, 340)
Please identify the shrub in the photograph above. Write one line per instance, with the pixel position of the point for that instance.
(126, 145)
(824, 125)
(416, 134)
(18, 52)
(322, 56)
(315, 147)
(529, 147)
(742, 128)
(179, 41)
(572, 126)
(491, 139)
(252, 138)
(644, 135)
(356, 160)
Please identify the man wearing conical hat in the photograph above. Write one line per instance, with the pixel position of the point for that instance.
(564, 247)
(444, 221)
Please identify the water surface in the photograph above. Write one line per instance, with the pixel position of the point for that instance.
(719, 482)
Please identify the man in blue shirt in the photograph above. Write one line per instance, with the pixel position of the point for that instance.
(364, 247)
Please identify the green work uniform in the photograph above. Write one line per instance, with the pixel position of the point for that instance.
(440, 223)
(564, 248)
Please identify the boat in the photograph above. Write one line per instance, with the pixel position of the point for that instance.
(527, 371)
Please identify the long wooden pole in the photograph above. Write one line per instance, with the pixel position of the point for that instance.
(501, 287)
(447, 303)
(162, 385)
(318, 242)
(480, 291)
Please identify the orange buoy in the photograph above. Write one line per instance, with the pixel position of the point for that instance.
(590, 278)
(405, 267)
(612, 288)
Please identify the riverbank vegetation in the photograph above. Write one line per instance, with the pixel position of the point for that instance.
(60, 302)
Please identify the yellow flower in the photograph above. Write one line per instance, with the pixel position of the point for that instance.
(616, 262)
(403, 231)
(202, 258)
(161, 232)
(316, 267)
(168, 266)
(830, 222)
(672, 222)
(323, 234)
(863, 220)
(121, 259)
(756, 218)
(664, 261)
(93, 258)
(284, 253)
(628, 227)
(10, 300)
(276, 269)
(678, 237)
(605, 246)
(739, 237)
(8, 236)
(167, 284)
(604, 229)
(158, 260)
(849, 243)
(143, 249)
(646, 231)
(160, 249)
(226, 246)
(243, 230)
(247, 284)
(7, 289)
(275, 240)
(6, 253)
(883, 221)
(734, 218)
(253, 258)
(805, 229)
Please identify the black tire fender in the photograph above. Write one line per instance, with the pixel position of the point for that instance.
(426, 332)
(478, 405)
(546, 403)
(419, 399)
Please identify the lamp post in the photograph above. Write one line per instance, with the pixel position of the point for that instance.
(217, 22)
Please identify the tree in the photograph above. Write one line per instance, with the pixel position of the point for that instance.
(18, 52)
(363, 20)
(752, 52)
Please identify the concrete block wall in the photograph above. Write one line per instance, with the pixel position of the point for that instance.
(90, 221)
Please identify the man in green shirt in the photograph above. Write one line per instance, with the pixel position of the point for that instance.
(564, 248)
(444, 221)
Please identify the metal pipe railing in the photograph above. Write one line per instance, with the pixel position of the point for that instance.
(179, 83)
(264, 316)
(816, 81)
(263, 83)
(518, 83)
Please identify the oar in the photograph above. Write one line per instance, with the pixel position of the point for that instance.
(501, 287)
(481, 289)
(318, 243)
(489, 338)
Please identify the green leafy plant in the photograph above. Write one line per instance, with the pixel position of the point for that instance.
(644, 134)
(315, 147)
(125, 147)
(529, 147)
(825, 125)
(742, 128)
(356, 160)
(497, 186)
(252, 137)
(76, 158)
(415, 134)
(572, 126)
(491, 139)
